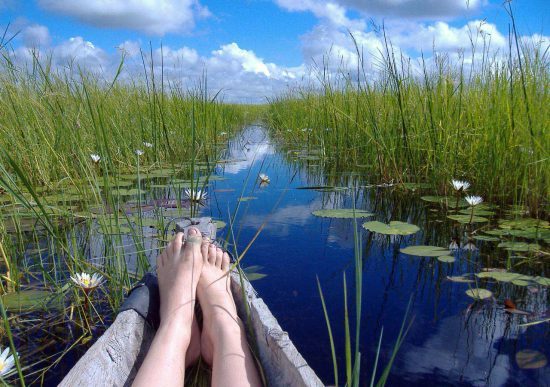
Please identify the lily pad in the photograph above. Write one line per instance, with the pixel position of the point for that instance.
(130, 192)
(542, 281)
(486, 238)
(219, 223)
(519, 246)
(446, 258)
(523, 223)
(394, 228)
(460, 279)
(341, 213)
(445, 200)
(520, 282)
(29, 300)
(426, 251)
(247, 198)
(529, 359)
(478, 293)
(477, 211)
(465, 219)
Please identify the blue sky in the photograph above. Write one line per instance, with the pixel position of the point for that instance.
(255, 48)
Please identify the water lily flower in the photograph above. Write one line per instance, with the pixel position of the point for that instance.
(474, 200)
(147, 145)
(6, 361)
(470, 246)
(264, 178)
(460, 185)
(139, 152)
(86, 281)
(223, 133)
(95, 158)
(196, 195)
(453, 245)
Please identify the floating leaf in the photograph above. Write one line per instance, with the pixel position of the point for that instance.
(477, 211)
(519, 246)
(29, 300)
(219, 223)
(520, 282)
(459, 278)
(445, 200)
(486, 238)
(542, 281)
(529, 359)
(247, 198)
(523, 223)
(341, 213)
(129, 192)
(426, 251)
(394, 228)
(446, 258)
(465, 219)
(531, 233)
(478, 293)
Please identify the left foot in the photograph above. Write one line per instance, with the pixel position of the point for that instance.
(179, 268)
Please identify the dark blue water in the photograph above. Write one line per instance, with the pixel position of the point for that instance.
(451, 341)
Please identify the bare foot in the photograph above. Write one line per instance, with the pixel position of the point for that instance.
(215, 296)
(179, 268)
(223, 342)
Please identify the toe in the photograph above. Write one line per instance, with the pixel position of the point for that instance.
(212, 254)
(204, 249)
(219, 256)
(193, 241)
(176, 244)
(225, 262)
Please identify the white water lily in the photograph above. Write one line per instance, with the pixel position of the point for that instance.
(196, 195)
(147, 145)
(223, 133)
(470, 246)
(95, 158)
(460, 185)
(453, 245)
(139, 152)
(6, 361)
(86, 281)
(474, 200)
(264, 178)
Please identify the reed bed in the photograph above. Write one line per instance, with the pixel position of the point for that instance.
(432, 121)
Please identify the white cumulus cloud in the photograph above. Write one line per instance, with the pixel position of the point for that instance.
(155, 17)
(36, 35)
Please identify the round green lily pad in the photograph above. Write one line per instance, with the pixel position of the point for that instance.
(343, 213)
(520, 282)
(519, 246)
(247, 198)
(28, 300)
(465, 219)
(530, 359)
(446, 258)
(486, 238)
(459, 278)
(478, 293)
(524, 223)
(426, 251)
(219, 223)
(394, 228)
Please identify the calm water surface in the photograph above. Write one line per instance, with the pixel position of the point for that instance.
(452, 341)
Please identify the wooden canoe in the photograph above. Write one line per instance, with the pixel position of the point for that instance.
(116, 356)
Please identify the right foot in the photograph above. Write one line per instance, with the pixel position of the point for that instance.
(216, 300)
